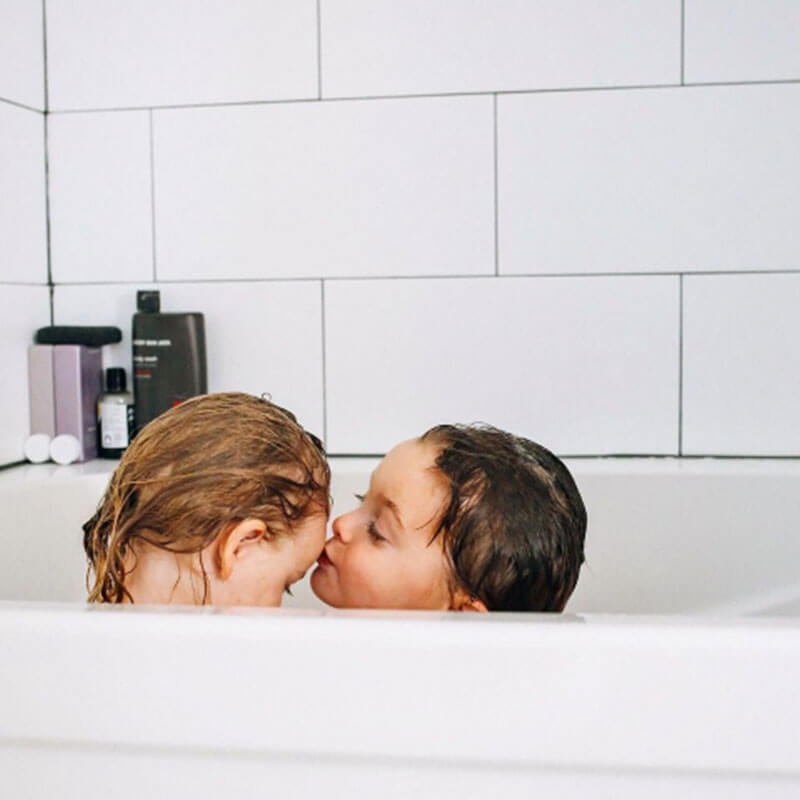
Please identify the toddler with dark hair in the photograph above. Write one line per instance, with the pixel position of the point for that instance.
(466, 517)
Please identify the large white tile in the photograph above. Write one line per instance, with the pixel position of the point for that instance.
(22, 52)
(352, 188)
(650, 180)
(374, 47)
(100, 196)
(260, 337)
(118, 54)
(582, 365)
(22, 196)
(742, 40)
(741, 365)
(23, 309)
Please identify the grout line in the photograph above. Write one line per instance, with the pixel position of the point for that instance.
(776, 82)
(425, 95)
(673, 457)
(623, 456)
(683, 42)
(21, 105)
(324, 367)
(355, 455)
(418, 277)
(48, 237)
(680, 366)
(524, 765)
(583, 457)
(153, 197)
(319, 51)
(496, 208)
(44, 56)
(38, 284)
(48, 243)
(358, 98)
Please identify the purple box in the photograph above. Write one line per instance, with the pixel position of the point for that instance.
(41, 396)
(77, 383)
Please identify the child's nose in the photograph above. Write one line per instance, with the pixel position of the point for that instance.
(342, 528)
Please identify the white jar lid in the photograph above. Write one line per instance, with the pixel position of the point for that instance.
(37, 448)
(65, 449)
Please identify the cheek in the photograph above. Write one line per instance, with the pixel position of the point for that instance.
(366, 574)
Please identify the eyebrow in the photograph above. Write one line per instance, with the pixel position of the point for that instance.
(392, 506)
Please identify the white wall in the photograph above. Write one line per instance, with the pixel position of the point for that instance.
(24, 296)
(529, 212)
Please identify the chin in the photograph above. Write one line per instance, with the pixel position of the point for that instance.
(315, 580)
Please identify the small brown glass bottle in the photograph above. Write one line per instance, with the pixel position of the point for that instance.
(115, 415)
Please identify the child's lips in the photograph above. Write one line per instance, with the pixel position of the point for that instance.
(324, 561)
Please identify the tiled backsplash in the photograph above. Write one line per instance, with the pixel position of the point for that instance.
(528, 212)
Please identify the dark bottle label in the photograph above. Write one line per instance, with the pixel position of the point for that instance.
(169, 362)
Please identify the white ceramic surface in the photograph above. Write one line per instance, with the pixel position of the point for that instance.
(650, 180)
(22, 196)
(303, 702)
(738, 40)
(22, 52)
(420, 47)
(584, 366)
(314, 703)
(392, 187)
(114, 54)
(741, 370)
(100, 197)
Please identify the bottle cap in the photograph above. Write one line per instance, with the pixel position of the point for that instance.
(148, 301)
(37, 448)
(115, 379)
(65, 449)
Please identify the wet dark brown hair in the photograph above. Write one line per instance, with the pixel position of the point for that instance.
(206, 464)
(514, 525)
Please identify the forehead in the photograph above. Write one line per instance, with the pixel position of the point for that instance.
(407, 476)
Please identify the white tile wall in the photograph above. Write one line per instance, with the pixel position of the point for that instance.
(436, 192)
(23, 242)
(22, 52)
(23, 309)
(380, 47)
(262, 337)
(741, 373)
(100, 208)
(118, 54)
(650, 180)
(742, 40)
(391, 187)
(584, 366)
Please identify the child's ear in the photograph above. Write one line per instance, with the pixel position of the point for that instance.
(235, 541)
(465, 602)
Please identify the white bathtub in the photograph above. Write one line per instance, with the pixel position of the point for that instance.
(686, 685)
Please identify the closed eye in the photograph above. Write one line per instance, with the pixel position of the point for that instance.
(373, 532)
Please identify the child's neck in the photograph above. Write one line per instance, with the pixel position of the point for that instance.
(159, 577)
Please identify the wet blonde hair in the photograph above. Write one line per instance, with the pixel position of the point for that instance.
(200, 467)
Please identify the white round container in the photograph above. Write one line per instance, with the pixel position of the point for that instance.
(65, 449)
(37, 448)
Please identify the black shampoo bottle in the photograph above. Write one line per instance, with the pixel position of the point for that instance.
(169, 357)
